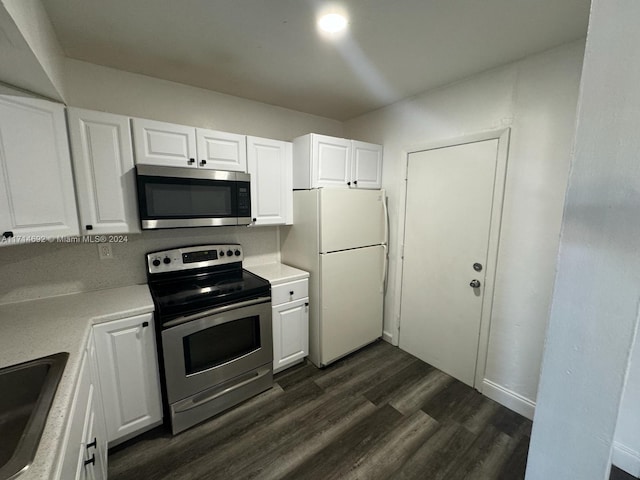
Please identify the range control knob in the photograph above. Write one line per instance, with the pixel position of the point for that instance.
(167, 260)
(222, 253)
(229, 253)
(237, 253)
(156, 262)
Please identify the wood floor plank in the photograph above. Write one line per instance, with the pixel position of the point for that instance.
(448, 401)
(486, 456)
(401, 380)
(478, 412)
(339, 456)
(359, 374)
(510, 422)
(296, 375)
(325, 426)
(412, 397)
(389, 454)
(434, 457)
(515, 467)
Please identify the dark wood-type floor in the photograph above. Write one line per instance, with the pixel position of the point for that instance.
(377, 414)
(617, 474)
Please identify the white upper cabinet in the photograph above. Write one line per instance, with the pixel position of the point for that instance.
(105, 176)
(36, 183)
(366, 165)
(161, 143)
(330, 159)
(270, 167)
(221, 150)
(169, 144)
(323, 161)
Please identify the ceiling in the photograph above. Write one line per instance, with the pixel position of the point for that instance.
(269, 50)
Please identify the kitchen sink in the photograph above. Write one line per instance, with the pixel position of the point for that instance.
(27, 391)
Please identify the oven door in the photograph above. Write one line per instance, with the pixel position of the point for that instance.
(212, 347)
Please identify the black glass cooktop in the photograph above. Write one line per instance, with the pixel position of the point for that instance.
(179, 297)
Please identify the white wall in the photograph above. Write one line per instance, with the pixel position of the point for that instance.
(537, 98)
(107, 89)
(34, 25)
(43, 270)
(596, 299)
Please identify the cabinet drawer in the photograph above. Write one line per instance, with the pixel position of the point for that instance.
(288, 292)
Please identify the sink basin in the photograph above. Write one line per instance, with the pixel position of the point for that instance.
(26, 394)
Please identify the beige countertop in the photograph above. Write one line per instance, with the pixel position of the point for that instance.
(278, 273)
(38, 328)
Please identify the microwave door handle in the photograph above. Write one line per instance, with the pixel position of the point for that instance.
(215, 311)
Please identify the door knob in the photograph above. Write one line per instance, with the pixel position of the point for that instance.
(475, 284)
(477, 267)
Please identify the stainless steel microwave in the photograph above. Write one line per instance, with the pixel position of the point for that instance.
(173, 197)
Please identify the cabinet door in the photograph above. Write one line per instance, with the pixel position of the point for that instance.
(36, 184)
(128, 371)
(73, 445)
(167, 144)
(105, 177)
(221, 150)
(290, 333)
(270, 167)
(366, 165)
(96, 432)
(331, 162)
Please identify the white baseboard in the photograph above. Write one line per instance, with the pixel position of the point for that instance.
(626, 459)
(387, 337)
(509, 399)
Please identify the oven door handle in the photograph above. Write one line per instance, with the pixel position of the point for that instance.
(198, 400)
(215, 311)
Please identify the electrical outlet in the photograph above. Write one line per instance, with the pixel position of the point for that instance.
(104, 250)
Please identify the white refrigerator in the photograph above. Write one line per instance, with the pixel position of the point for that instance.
(340, 237)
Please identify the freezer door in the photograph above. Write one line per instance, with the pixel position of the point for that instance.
(350, 219)
(350, 301)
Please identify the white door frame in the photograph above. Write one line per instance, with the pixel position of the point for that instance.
(502, 135)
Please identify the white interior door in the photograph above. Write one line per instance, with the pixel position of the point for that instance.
(447, 227)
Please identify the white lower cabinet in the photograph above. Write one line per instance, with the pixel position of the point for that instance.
(128, 371)
(85, 442)
(290, 313)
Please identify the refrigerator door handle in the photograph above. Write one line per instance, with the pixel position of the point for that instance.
(385, 245)
(383, 283)
(386, 216)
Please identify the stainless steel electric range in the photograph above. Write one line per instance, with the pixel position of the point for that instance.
(214, 330)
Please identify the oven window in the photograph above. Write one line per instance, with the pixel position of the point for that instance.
(177, 198)
(220, 344)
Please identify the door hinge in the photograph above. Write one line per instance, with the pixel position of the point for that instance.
(402, 251)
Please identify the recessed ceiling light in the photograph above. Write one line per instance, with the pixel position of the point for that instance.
(332, 23)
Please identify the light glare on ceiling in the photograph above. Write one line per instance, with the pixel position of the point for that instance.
(332, 23)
